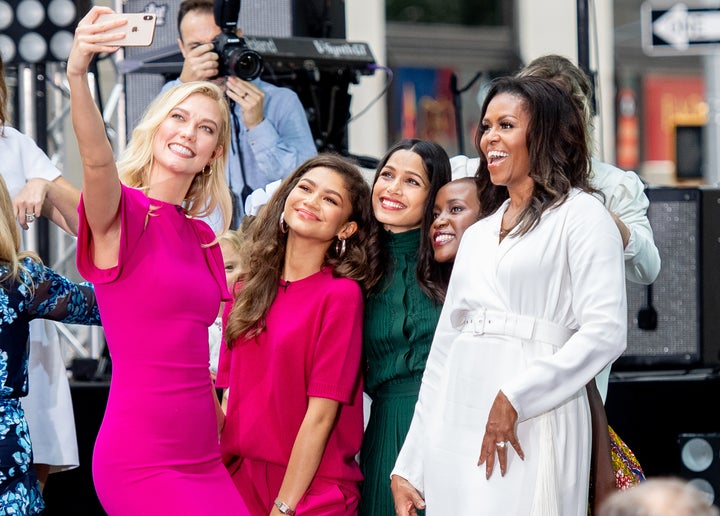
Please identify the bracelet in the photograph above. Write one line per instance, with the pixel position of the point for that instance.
(283, 507)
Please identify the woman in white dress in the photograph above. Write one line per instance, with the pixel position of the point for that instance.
(534, 310)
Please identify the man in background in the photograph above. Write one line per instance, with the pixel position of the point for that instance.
(270, 133)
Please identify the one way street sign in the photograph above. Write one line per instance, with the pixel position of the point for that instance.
(680, 30)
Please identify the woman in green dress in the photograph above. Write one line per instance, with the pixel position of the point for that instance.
(402, 310)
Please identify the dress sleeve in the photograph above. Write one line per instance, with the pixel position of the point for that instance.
(59, 299)
(597, 289)
(134, 210)
(409, 464)
(642, 258)
(35, 163)
(335, 370)
(625, 197)
(213, 255)
(222, 380)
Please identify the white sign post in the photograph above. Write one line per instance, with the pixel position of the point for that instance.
(680, 30)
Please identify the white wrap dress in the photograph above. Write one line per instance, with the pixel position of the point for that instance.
(536, 316)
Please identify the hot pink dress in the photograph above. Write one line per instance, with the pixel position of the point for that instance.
(157, 451)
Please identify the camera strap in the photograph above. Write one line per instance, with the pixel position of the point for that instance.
(237, 150)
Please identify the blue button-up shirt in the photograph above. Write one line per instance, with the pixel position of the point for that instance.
(272, 149)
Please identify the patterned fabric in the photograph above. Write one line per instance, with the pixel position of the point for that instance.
(628, 472)
(41, 293)
(19, 488)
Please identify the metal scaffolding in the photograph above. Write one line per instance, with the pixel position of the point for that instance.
(41, 100)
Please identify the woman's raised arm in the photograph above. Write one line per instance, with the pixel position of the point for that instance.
(101, 186)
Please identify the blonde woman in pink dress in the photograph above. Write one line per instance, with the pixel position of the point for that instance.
(159, 280)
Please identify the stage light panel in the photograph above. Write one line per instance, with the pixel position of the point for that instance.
(36, 32)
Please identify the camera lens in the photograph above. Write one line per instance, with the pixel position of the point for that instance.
(246, 64)
(147, 17)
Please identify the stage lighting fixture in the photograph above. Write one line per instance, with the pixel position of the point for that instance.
(34, 32)
(700, 462)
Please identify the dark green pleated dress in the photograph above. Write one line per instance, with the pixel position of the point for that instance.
(399, 325)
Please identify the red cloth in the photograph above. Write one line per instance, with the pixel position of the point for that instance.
(311, 347)
(324, 498)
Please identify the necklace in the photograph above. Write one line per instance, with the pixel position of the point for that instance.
(506, 231)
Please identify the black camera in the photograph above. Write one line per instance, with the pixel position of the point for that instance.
(235, 57)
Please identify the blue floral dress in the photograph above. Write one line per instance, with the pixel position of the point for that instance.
(41, 293)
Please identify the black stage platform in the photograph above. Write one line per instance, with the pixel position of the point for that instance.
(649, 410)
(72, 492)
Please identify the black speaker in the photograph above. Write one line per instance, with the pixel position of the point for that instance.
(674, 322)
(710, 286)
(700, 462)
(650, 409)
(664, 319)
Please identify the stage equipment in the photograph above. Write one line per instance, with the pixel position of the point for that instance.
(700, 462)
(236, 58)
(35, 39)
(650, 409)
(301, 44)
(674, 322)
(33, 32)
(318, 70)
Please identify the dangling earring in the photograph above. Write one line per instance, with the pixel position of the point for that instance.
(283, 224)
(207, 171)
(340, 247)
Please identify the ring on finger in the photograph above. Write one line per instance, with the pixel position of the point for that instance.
(501, 444)
(29, 217)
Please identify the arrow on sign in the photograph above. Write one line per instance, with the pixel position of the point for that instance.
(679, 27)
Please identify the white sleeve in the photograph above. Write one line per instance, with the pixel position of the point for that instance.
(409, 464)
(597, 286)
(21, 160)
(35, 161)
(625, 197)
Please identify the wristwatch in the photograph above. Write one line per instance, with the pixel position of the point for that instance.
(284, 508)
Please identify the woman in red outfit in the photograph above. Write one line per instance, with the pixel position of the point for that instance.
(294, 420)
(158, 276)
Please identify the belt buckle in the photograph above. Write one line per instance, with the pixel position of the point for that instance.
(479, 323)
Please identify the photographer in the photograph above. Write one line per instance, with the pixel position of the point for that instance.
(270, 132)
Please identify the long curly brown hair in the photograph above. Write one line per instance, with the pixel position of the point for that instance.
(557, 147)
(267, 256)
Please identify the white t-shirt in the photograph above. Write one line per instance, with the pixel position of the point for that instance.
(21, 160)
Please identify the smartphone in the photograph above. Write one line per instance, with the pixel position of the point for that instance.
(139, 30)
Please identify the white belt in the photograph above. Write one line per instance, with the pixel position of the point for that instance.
(491, 322)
